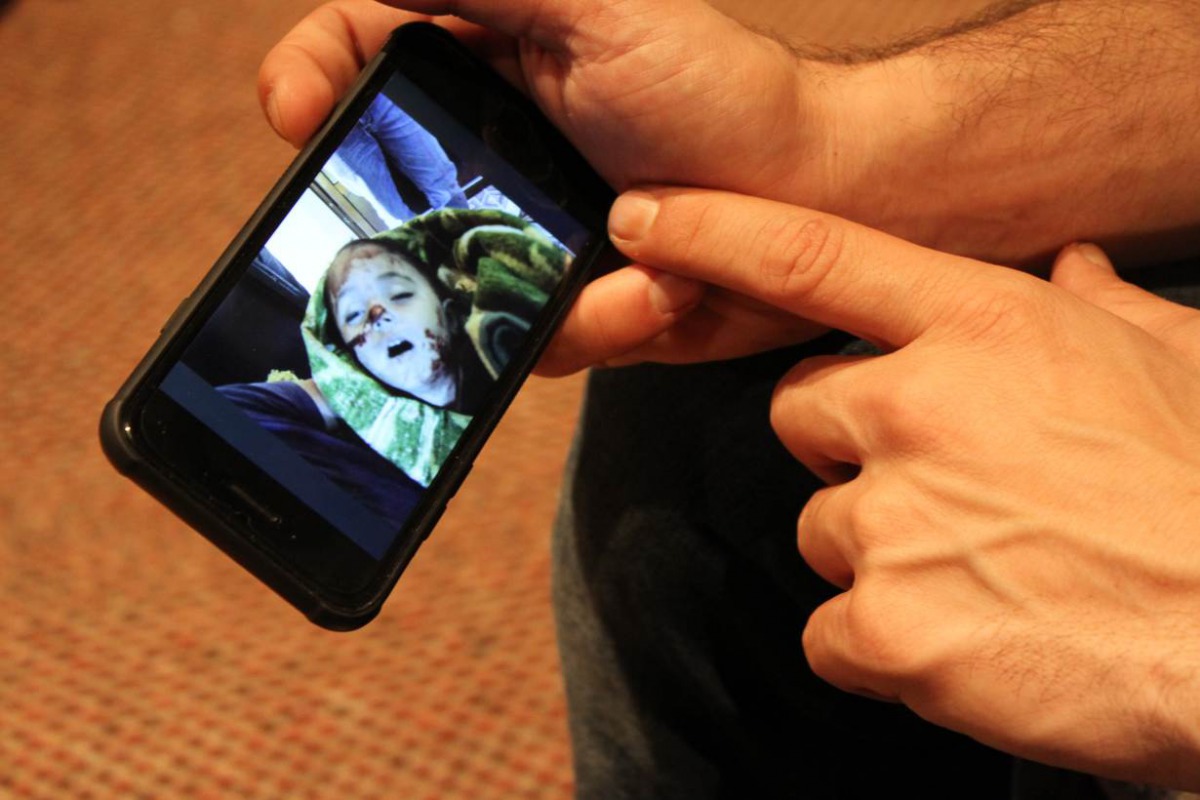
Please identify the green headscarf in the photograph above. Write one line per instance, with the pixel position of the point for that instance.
(502, 266)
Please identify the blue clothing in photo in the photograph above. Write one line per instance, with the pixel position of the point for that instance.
(386, 141)
(286, 410)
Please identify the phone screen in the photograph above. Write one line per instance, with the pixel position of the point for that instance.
(368, 328)
(353, 353)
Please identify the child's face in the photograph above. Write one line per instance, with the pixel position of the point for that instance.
(390, 316)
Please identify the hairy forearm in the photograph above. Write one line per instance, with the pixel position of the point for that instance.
(1033, 125)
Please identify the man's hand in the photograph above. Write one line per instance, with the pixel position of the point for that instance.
(667, 91)
(651, 91)
(1014, 509)
(981, 140)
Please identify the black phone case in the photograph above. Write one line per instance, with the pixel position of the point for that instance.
(187, 497)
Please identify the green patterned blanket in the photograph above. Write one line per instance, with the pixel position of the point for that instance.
(504, 267)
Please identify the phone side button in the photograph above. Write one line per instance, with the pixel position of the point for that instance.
(175, 315)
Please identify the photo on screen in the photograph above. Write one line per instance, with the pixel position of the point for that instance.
(373, 324)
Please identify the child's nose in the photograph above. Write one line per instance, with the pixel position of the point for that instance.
(375, 312)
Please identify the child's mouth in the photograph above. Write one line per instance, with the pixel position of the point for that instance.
(399, 348)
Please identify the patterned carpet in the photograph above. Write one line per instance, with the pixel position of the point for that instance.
(135, 660)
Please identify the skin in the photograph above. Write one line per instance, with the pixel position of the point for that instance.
(392, 318)
(1087, 98)
(601, 103)
(1013, 486)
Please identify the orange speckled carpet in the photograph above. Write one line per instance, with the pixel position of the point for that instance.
(135, 660)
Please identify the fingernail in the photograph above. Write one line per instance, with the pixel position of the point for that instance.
(273, 111)
(631, 216)
(671, 294)
(1094, 254)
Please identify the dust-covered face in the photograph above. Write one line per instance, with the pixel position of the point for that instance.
(391, 317)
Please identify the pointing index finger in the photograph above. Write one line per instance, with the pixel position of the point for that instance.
(814, 265)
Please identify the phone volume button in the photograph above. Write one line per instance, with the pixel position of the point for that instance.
(175, 315)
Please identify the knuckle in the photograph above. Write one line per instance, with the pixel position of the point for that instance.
(693, 217)
(911, 410)
(821, 657)
(796, 390)
(870, 630)
(603, 342)
(867, 519)
(922, 407)
(884, 641)
(782, 409)
(1009, 311)
(798, 253)
(335, 16)
(806, 527)
(779, 413)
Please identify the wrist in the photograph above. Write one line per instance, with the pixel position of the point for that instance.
(1069, 121)
(934, 162)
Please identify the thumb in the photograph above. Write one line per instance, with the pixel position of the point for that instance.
(1085, 271)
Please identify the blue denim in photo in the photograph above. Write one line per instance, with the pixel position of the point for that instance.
(386, 141)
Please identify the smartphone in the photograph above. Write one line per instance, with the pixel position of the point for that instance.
(315, 403)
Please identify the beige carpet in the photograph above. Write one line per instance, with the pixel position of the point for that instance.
(135, 660)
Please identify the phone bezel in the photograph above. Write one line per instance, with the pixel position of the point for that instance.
(318, 572)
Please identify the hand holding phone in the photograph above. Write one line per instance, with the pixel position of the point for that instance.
(313, 406)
